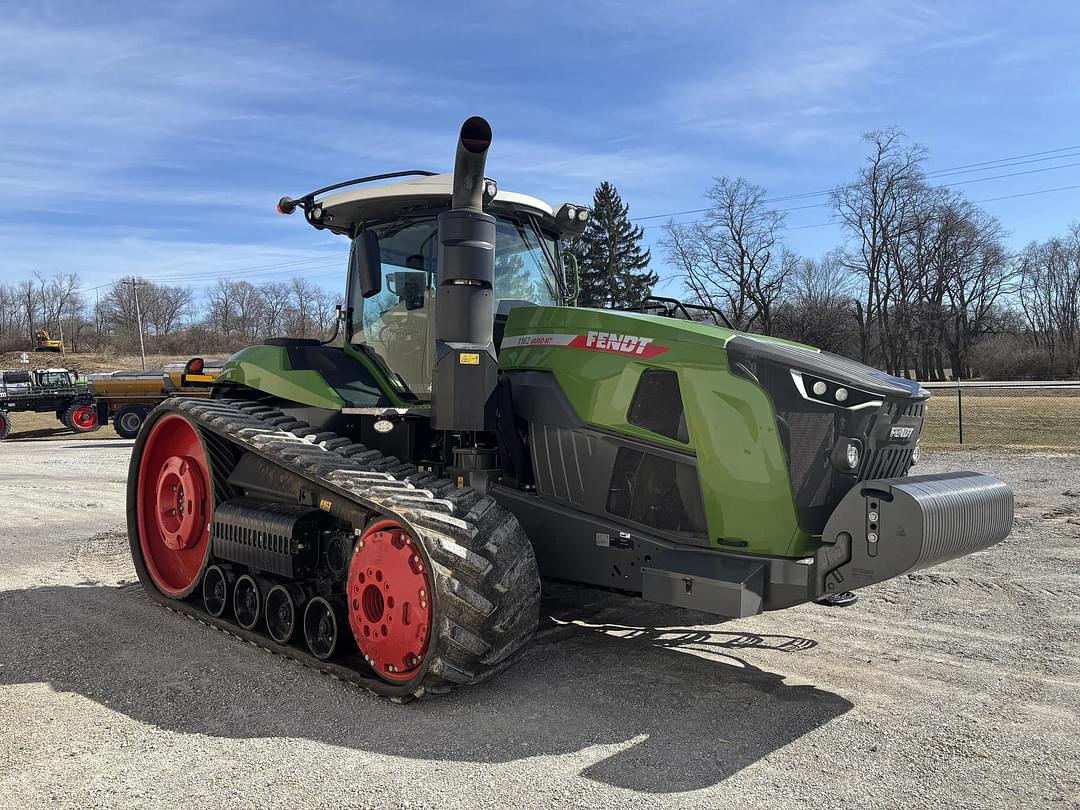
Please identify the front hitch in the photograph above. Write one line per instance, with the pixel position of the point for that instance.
(884, 528)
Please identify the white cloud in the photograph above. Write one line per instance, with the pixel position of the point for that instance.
(821, 68)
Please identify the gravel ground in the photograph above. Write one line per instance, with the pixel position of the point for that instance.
(953, 687)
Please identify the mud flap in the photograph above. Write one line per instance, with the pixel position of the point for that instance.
(882, 529)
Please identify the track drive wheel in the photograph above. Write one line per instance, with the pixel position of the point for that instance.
(81, 417)
(5, 425)
(390, 604)
(430, 609)
(169, 516)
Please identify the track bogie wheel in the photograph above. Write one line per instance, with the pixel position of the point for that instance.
(283, 612)
(322, 627)
(247, 602)
(173, 506)
(389, 601)
(215, 590)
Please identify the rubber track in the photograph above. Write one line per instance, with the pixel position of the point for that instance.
(487, 585)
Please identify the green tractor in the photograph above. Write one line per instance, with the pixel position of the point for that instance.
(386, 510)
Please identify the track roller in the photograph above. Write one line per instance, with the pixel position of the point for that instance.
(215, 590)
(247, 602)
(322, 627)
(283, 611)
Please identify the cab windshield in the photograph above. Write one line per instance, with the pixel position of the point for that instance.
(398, 324)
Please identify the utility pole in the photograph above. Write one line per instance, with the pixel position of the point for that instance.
(135, 284)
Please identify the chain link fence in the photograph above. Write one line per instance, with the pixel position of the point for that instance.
(1026, 414)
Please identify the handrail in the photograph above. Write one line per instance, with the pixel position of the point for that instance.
(671, 306)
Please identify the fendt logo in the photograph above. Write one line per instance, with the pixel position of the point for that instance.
(610, 342)
(618, 344)
(901, 432)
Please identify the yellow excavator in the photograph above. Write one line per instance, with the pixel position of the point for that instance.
(44, 343)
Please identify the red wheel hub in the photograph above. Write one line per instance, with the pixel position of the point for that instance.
(174, 506)
(390, 608)
(84, 417)
(180, 497)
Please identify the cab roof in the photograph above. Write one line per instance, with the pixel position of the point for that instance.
(346, 208)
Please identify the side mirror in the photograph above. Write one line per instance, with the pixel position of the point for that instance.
(366, 263)
(574, 291)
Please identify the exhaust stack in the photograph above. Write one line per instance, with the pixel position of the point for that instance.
(465, 364)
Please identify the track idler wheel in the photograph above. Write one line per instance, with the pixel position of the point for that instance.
(390, 604)
(247, 602)
(283, 612)
(173, 505)
(322, 627)
(215, 590)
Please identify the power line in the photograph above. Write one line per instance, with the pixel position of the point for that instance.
(1027, 194)
(1006, 162)
(825, 224)
(945, 185)
(292, 266)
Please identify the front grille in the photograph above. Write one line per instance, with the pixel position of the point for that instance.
(810, 438)
(810, 431)
(887, 462)
(898, 407)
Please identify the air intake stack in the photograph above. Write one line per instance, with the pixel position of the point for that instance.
(465, 363)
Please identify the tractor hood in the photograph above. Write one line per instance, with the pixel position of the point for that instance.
(644, 336)
(832, 367)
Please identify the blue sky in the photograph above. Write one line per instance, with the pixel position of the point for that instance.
(155, 138)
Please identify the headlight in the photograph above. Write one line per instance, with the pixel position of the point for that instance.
(916, 454)
(841, 394)
(846, 455)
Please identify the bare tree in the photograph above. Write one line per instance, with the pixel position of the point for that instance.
(733, 259)
(165, 307)
(275, 305)
(249, 309)
(303, 306)
(818, 306)
(878, 209)
(1049, 296)
(221, 313)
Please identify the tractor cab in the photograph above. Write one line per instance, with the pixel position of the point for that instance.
(391, 290)
(54, 378)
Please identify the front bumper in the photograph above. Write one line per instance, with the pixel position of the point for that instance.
(881, 529)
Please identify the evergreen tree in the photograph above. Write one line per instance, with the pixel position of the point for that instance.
(613, 265)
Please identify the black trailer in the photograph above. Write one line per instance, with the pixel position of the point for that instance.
(45, 390)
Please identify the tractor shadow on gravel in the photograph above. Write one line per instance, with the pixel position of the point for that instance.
(653, 710)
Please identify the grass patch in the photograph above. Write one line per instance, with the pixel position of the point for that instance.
(1025, 417)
